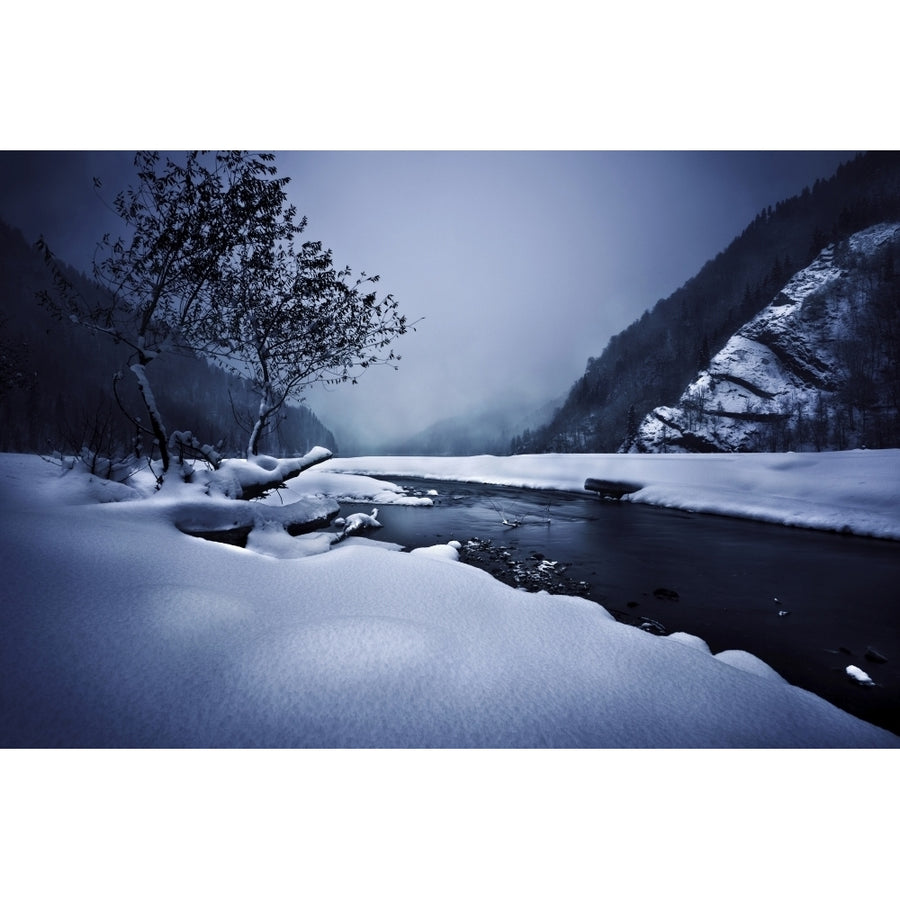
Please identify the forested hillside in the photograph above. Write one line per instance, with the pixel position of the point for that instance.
(817, 369)
(651, 362)
(56, 380)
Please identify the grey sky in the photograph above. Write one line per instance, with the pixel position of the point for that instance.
(521, 265)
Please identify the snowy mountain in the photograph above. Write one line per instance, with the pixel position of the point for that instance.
(816, 369)
(648, 365)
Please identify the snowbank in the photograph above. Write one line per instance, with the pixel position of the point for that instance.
(359, 489)
(854, 491)
(119, 631)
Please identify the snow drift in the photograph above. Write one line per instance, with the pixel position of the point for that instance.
(120, 631)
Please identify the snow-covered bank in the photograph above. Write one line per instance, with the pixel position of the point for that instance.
(854, 491)
(118, 630)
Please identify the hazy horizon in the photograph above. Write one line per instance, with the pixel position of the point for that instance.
(518, 266)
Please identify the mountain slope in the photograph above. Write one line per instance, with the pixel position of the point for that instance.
(816, 369)
(649, 364)
(488, 430)
(57, 379)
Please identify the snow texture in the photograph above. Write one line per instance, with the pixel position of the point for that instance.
(117, 630)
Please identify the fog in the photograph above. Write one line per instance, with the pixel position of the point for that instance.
(515, 266)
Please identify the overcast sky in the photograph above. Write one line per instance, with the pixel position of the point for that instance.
(520, 265)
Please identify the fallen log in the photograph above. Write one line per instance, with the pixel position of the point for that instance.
(613, 489)
(231, 521)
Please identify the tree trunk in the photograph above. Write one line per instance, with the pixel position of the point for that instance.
(156, 422)
(266, 408)
(286, 469)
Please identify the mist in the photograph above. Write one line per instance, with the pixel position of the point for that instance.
(514, 267)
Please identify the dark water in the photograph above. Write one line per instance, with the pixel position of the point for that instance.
(841, 593)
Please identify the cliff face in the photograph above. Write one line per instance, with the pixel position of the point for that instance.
(649, 363)
(816, 369)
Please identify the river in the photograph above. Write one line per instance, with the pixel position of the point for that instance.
(808, 603)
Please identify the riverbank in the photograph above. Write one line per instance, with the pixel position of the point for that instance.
(120, 631)
(850, 492)
(809, 603)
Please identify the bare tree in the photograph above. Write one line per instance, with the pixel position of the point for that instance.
(286, 319)
(185, 220)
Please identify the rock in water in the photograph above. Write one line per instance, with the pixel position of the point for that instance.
(873, 655)
(858, 675)
(361, 522)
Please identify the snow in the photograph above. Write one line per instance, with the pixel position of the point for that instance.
(786, 361)
(858, 675)
(234, 476)
(741, 659)
(120, 631)
(449, 551)
(361, 489)
(689, 640)
(852, 491)
(361, 522)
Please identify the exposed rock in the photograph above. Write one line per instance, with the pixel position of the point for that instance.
(534, 573)
(652, 627)
(781, 369)
(873, 655)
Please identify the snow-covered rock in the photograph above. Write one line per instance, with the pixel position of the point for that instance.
(784, 367)
(358, 522)
(859, 675)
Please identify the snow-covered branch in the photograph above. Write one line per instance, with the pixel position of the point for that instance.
(247, 479)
